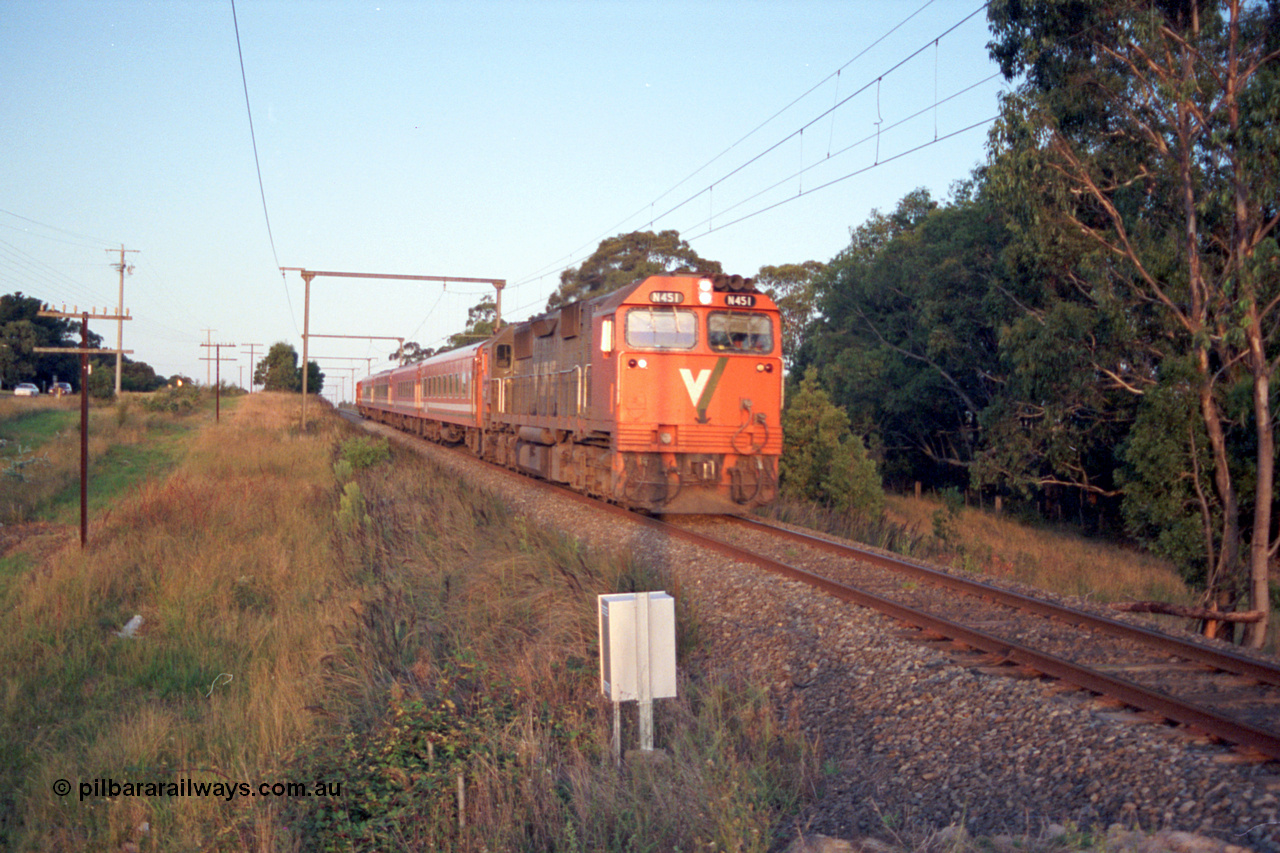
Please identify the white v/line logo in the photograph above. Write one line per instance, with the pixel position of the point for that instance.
(695, 387)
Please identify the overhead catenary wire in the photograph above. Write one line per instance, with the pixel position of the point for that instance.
(868, 138)
(854, 173)
(840, 102)
(551, 268)
(800, 130)
(720, 223)
(818, 188)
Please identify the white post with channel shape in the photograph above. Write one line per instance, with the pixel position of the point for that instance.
(637, 656)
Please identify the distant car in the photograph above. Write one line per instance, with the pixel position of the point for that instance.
(60, 388)
(26, 389)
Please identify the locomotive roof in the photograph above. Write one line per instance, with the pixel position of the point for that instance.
(611, 300)
(604, 303)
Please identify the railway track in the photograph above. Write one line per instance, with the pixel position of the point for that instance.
(1209, 690)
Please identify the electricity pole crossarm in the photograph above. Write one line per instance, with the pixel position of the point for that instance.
(84, 350)
(217, 358)
(253, 348)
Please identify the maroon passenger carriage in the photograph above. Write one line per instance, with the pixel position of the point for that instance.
(665, 396)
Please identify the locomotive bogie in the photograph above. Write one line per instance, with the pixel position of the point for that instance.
(663, 396)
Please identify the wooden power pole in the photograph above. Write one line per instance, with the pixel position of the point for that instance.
(84, 351)
(217, 388)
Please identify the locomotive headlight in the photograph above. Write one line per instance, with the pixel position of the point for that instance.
(704, 298)
(637, 362)
(764, 368)
(704, 285)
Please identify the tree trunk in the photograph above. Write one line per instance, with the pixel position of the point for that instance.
(1228, 566)
(1259, 586)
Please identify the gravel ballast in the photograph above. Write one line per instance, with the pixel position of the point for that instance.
(914, 743)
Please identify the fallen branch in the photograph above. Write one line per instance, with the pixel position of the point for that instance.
(1189, 612)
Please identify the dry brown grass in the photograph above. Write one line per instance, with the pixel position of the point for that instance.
(1055, 560)
(305, 625)
(41, 466)
(477, 634)
(228, 562)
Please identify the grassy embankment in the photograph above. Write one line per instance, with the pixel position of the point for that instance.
(40, 453)
(981, 542)
(313, 613)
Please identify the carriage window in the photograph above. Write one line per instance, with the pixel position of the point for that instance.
(665, 328)
(739, 332)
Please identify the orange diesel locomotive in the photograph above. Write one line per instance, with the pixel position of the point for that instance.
(664, 396)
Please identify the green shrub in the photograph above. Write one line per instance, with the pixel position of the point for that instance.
(351, 512)
(364, 452)
(822, 460)
(181, 400)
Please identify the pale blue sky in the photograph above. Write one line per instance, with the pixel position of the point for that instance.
(473, 139)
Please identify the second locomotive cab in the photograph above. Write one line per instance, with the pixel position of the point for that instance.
(663, 396)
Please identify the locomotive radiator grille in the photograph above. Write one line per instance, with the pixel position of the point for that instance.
(703, 439)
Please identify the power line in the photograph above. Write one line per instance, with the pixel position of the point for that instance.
(41, 274)
(744, 138)
(98, 241)
(839, 102)
(258, 164)
(252, 136)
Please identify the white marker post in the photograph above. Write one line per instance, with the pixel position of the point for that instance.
(637, 656)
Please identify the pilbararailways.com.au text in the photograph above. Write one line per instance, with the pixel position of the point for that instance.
(192, 788)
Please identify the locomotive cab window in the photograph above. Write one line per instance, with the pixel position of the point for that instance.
(661, 328)
(739, 332)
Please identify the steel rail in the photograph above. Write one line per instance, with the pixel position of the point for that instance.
(1185, 713)
(1194, 716)
(1218, 658)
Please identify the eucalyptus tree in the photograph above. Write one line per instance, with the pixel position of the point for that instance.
(907, 340)
(794, 289)
(625, 258)
(1143, 131)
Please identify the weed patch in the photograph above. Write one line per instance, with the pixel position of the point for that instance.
(309, 616)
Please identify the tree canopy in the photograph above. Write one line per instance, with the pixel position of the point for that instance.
(907, 340)
(278, 371)
(626, 258)
(794, 289)
(1142, 136)
(21, 331)
(1093, 318)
